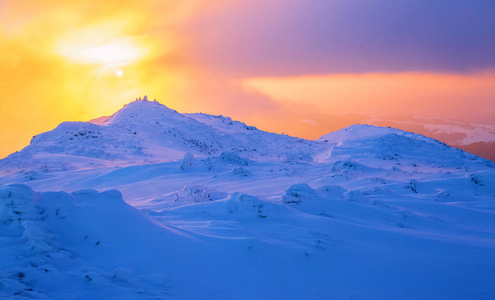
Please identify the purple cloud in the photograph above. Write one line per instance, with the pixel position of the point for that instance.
(291, 37)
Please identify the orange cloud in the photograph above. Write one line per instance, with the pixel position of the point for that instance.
(467, 97)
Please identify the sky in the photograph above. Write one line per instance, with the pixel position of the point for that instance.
(304, 68)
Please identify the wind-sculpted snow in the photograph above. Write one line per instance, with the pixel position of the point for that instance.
(236, 206)
(153, 204)
(57, 245)
(233, 158)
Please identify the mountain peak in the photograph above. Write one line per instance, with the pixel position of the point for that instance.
(142, 110)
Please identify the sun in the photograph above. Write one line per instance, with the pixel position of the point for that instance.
(119, 73)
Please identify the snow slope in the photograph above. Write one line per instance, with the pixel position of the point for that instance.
(477, 138)
(153, 204)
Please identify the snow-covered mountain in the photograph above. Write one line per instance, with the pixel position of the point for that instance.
(475, 138)
(145, 131)
(150, 203)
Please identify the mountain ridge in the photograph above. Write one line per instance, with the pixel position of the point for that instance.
(140, 126)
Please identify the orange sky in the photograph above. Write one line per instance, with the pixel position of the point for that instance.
(59, 61)
(423, 94)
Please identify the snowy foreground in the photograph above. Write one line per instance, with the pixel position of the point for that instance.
(153, 204)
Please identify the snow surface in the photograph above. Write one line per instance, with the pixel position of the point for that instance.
(453, 132)
(153, 204)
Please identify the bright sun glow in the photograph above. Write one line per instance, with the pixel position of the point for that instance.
(120, 51)
(119, 73)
